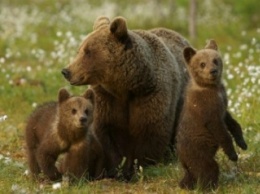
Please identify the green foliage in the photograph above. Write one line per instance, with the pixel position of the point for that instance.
(40, 37)
(247, 11)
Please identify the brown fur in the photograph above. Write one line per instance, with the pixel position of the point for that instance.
(53, 128)
(137, 77)
(204, 119)
(85, 159)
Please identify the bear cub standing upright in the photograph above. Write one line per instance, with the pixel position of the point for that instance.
(53, 128)
(205, 121)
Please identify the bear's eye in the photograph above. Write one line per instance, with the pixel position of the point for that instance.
(73, 111)
(215, 61)
(86, 111)
(87, 51)
(202, 65)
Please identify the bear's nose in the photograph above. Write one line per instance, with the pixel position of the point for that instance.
(83, 119)
(66, 73)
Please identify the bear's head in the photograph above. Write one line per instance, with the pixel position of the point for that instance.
(75, 113)
(205, 65)
(101, 54)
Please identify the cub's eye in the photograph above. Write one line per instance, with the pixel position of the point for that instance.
(215, 61)
(202, 65)
(86, 111)
(87, 51)
(73, 111)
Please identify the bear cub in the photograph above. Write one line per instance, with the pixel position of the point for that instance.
(53, 128)
(205, 123)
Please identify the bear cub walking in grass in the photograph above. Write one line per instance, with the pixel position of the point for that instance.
(204, 122)
(53, 128)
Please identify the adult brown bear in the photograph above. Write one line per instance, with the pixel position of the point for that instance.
(137, 77)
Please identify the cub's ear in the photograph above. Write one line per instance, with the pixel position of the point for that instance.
(101, 21)
(212, 45)
(63, 95)
(89, 95)
(188, 53)
(119, 29)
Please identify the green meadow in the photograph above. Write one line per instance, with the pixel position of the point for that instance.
(40, 37)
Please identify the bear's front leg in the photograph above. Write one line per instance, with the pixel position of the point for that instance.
(220, 133)
(46, 159)
(235, 130)
(33, 164)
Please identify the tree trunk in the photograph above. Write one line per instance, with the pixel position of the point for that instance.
(192, 19)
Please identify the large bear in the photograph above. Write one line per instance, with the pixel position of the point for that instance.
(138, 78)
(205, 124)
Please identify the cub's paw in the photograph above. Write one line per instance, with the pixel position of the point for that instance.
(233, 156)
(242, 144)
(56, 176)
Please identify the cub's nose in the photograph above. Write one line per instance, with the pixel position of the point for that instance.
(66, 73)
(83, 119)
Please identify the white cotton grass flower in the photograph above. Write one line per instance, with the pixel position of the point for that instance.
(59, 34)
(34, 105)
(26, 172)
(253, 41)
(3, 118)
(230, 76)
(56, 186)
(2, 60)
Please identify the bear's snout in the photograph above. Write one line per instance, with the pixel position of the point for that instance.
(66, 73)
(83, 119)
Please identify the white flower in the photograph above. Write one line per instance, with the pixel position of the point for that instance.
(56, 186)
(3, 118)
(26, 172)
(2, 60)
(34, 104)
(28, 68)
(59, 33)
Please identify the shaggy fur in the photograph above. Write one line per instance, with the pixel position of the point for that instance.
(53, 128)
(138, 78)
(204, 121)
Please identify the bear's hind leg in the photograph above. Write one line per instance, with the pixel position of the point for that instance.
(188, 181)
(208, 177)
(33, 164)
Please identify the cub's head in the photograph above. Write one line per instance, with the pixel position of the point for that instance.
(75, 112)
(205, 65)
(100, 54)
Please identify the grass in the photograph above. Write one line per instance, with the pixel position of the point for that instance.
(39, 38)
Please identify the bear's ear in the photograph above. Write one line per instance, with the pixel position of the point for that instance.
(188, 53)
(212, 45)
(89, 95)
(63, 95)
(101, 21)
(119, 29)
